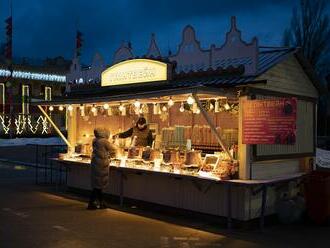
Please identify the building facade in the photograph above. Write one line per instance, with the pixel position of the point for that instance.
(29, 81)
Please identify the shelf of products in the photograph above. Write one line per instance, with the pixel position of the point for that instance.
(213, 166)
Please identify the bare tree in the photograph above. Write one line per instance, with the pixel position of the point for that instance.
(2, 51)
(310, 30)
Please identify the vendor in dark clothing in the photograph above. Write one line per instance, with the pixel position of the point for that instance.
(141, 131)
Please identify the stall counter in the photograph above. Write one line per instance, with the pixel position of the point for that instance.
(237, 199)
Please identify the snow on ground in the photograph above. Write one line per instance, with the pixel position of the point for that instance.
(35, 141)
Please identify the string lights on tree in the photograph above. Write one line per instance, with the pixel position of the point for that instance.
(6, 128)
(44, 125)
(20, 124)
(24, 124)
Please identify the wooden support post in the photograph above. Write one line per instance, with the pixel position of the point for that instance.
(211, 124)
(244, 150)
(55, 127)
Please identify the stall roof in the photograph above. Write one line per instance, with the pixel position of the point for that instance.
(268, 57)
(131, 92)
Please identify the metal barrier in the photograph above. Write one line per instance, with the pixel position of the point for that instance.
(46, 170)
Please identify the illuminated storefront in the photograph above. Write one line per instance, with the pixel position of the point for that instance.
(226, 128)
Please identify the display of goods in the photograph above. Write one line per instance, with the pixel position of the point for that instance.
(200, 135)
(134, 152)
(207, 167)
(193, 158)
(119, 152)
(62, 155)
(171, 156)
(226, 170)
(155, 154)
(203, 136)
(222, 172)
(146, 154)
(149, 154)
(86, 149)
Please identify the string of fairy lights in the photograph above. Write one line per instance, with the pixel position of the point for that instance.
(24, 124)
(157, 108)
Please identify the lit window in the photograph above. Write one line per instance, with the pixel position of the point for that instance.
(25, 99)
(48, 93)
(2, 98)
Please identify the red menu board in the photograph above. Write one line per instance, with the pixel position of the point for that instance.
(270, 121)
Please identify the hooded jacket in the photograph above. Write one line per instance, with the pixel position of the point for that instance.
(102, 150)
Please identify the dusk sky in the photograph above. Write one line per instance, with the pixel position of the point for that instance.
(47, 28)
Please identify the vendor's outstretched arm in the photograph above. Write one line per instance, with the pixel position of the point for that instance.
(126, 134)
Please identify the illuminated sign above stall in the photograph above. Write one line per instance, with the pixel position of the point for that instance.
(134, 71)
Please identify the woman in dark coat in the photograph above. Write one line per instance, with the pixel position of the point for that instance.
(102, 151)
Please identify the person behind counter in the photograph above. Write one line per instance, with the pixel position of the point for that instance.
(141, 131)
(102, 150)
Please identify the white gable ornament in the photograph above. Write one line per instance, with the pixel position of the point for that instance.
(235, 52)
(190, 56)
(124, 52)
(153, 51)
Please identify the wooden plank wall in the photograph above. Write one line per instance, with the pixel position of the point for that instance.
(288, 77)
(305, 133)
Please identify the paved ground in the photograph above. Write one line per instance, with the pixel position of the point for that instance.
(36, 216)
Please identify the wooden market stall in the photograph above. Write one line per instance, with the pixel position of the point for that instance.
(242, 134)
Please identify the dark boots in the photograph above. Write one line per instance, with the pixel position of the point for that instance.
(97, 195)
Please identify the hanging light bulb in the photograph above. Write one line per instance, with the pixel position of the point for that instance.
(170, 102)
(51, 108)
(141, 111)
(164, 108)
(198, 111)
(109, 111)
(60, 108)
(226, 106)
(190, 100)
(182, 107)
(217, 106)
(211, 106)
(137, 104)
(106, 106)
(82, 110)
(145, 108)
(156, 109)
(94, 110)
(121, 108)
(194, 107)
(70, 108)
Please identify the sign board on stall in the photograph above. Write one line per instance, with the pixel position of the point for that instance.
(270, 121)
(134, 71)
